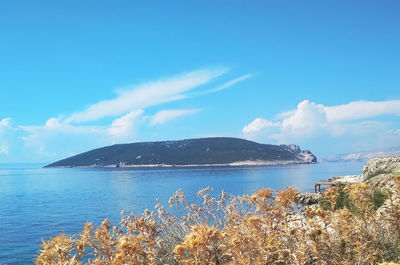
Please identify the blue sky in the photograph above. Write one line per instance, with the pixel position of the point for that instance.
(76, 75)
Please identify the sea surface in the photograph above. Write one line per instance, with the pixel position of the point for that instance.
(38, 203)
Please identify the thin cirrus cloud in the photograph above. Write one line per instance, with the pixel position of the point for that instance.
(146, 95)
(309, 118)
(164, 116)
(230, 83)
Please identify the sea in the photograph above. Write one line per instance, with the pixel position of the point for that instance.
(37, 203)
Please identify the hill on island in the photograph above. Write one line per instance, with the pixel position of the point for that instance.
(201, 152)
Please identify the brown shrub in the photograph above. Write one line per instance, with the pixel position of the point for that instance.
(264, 228)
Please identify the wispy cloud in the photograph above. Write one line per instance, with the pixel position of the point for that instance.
(361, 110)
(146, 95)
(164, 116)
(48, 141)
(230, 83)
(55, 125)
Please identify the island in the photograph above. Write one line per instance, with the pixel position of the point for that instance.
(215, 151)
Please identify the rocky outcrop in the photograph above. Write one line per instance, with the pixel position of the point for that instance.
(382, 165)
(379, 172)
(306, 156)
(347, 179)
(302, 155)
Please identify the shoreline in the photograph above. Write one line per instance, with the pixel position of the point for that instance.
(233, 164)
(348, 179)
(310, 198)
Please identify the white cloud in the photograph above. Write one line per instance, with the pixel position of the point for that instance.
(53, 123)
(164, 116)
(124, 126)
(395, 132)
(285, 114)
(4, 149)
(55, 139)
(258, 125)
(310, 118)
(5, 129)
(327, 130)
(307, 118)
(146, 95)
(5, 123)
(361, 110)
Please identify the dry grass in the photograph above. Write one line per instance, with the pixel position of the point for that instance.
(263, 228)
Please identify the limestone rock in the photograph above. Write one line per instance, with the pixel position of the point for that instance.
(382, 165)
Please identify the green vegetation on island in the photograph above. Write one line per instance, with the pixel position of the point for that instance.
(203, 151)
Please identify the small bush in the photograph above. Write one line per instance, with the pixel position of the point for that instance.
(336, 198)
(378, 198)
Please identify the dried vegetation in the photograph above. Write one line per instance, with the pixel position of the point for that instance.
(263, 228)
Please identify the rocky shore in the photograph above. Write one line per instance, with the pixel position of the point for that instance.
(378, 173)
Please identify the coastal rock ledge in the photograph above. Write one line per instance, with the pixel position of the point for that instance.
(378, 173)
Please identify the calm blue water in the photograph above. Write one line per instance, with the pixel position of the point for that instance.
(37, 203)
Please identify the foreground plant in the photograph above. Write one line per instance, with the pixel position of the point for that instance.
(264, 228)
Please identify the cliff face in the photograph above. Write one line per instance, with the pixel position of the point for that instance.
(203, 151)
